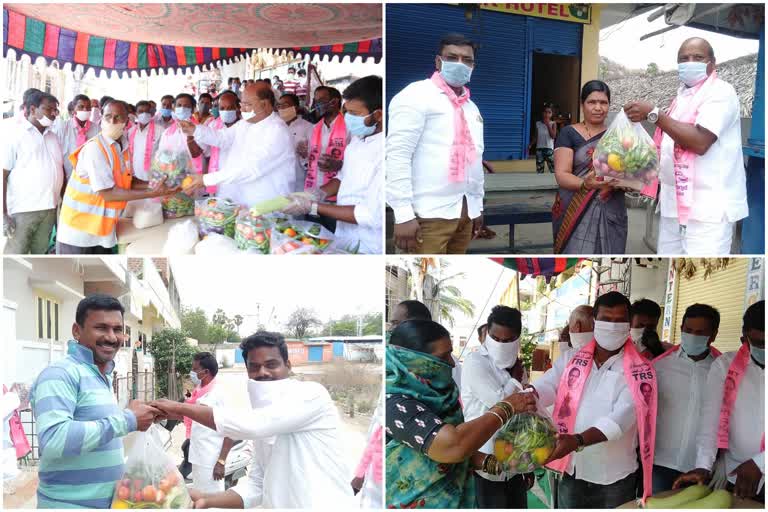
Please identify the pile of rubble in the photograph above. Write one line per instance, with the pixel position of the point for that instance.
(662, 88)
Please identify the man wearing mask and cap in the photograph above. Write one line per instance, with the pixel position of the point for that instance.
(643, 323)
(701, 167)
(294, 427)
(208, 449)
(487, 377)
(301, 131)
(435, 156)
(251, 172)
(601, 412)
(733, 415)
(33, 178)
(143, 140)
(358, 187)
(682, 373)
(101, 183)
(75, 132)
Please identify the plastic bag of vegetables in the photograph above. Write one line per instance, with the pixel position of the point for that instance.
(252, 232)
(172, 166)
(151, 479)
(292, 236)
(626, 153)
(524, 443)
(216, 215)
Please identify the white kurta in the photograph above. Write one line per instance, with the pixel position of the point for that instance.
(205, 447)
(260, 159)
(297, 461)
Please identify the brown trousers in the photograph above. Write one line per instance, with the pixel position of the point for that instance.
(445, 236)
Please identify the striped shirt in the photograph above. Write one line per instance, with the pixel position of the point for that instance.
(80, 426)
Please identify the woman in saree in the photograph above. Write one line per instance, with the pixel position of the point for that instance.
(589, 215)
(431, 452)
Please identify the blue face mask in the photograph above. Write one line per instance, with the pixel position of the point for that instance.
(166, 112)
(183, 113)
(195, 379)
(456, 74)
(692, 344)
(356, 125)
(691, 73)
(758, 354)
(228, 116)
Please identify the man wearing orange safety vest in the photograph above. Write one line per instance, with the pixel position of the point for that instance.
(100, 186)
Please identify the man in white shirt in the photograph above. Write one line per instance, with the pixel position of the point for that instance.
(260, 160)
(142, 147)
(546, 132)
(602, 469)
(208, 449)
(745, 455)
(358, 211)
(228, 105)
(682, 376)
(719, 195)
(301, 131)
(294, 428)
(437, 199)
(487, 378)
(33, 178)
(76, 131)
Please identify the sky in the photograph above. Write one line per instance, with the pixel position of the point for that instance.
(251, 286)
(621, 43)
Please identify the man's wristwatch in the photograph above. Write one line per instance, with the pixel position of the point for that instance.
(222, 462)
(579, 442)
(313, 209)
(653, 115)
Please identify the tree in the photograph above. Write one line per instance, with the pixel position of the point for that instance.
(238, 321)
(217, 333)
(162, 347)
(372, 324)
(301, 322)
(652, 69)
(195, 323)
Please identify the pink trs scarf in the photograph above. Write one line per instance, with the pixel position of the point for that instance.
(337, 141)
(197, 393)
(372, 456)
(637, 371)
(147, 147)
(684, 159)
(735, 372)
(462, 147)
(198, 161)
(81, 133)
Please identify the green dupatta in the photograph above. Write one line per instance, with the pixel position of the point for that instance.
(413, 479)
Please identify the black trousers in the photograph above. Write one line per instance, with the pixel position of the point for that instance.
(510, 494)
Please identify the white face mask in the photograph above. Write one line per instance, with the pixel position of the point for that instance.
(503, 355)
(144, 118)
(579, 339)
(83, 115)
(264, 392)
(691, 73)
(45, 121)
(563, 346)
(636, 333)
(247, 115)
(111, 130)
(611, 335)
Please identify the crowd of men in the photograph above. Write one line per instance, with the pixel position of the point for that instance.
(67, 180)
(635, 416)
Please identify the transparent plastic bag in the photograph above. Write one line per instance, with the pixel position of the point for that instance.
(216, 215)
(151, 479)
(182, 239)
(252, 232)
(314, 236)
(525, 442)
(147, 213)
(173, 167)
(626, 153)
(216, 245)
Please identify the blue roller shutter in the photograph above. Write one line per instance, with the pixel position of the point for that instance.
(500, 83)
(338, 349)
(555, 37)
(239, 356)
(316, 353)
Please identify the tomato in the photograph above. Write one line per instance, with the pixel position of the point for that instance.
(172, 478)
(149, 493)
(123, 492)
(289, 232)
(165, 485)
(160, 497)
(259, 238)
(126, 483)
(137, 496)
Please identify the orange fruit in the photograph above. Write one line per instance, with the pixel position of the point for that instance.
(187, 182)
(290, 232)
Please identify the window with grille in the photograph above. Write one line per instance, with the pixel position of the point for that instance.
(47, 318)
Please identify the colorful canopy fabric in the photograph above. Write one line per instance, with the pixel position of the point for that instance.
(135, 37)
(547, 267)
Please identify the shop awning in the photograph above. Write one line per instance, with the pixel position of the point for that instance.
(145, 37)
(547, 267)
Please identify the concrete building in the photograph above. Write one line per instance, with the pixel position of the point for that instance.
(40, 296)
(359, 349)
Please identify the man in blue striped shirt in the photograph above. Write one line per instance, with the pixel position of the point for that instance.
(78, 419)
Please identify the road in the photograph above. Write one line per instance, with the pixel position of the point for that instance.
(234, 381)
